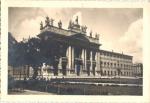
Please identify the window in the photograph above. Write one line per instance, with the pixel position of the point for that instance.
(115, 72)
(129, 73)
(111, 73)
(108, 63)
(104, 54)
(101, 62)
(108, 72)
(104, 72)
(104, 63)
(111, 64)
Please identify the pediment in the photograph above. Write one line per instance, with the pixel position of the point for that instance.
(80, 37)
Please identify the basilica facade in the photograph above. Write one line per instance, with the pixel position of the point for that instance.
(74, 53)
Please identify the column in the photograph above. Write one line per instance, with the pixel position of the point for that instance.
(97, 61)
(60, 66)
(83, 60)
(68, 55)
(91, 59)
(72, 58)
(101, 65)
(85, 64)
(69, 59)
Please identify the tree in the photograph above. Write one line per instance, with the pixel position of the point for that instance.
(36, 51)
(33, 56)
(25, 52)
(12, 49)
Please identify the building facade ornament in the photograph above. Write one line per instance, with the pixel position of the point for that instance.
(70, 25)
(51, 21)
(41, 25)
(83, 29)
(60, 24)
(91, 33)
(76, 20)
(97, 36)
(47, 21)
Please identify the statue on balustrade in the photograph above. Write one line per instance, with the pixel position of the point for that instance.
(96, 36)
(41, 25)
(76, 20)
(83, 29)
(51, 21)
(71, 24)
(60, 24)
(47, 21)
(91, 33)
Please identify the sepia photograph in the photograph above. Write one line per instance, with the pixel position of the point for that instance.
(75, 51)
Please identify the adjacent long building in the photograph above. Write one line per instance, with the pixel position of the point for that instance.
(113, 63)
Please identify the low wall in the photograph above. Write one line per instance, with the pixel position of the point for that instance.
(64, 87)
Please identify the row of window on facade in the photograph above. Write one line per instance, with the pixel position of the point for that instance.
(116, 55)
(114, 73)
(116, 59)
(108, 64)
(137, 70)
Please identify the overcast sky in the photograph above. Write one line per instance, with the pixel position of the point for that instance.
(120, 29)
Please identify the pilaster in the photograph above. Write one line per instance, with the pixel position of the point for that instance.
(91, 59)
(72, 58)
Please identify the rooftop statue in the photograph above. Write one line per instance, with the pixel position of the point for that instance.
(60, 24)
(70, 25)
(91, 34)
(47, 21)
(41, 25)
(98, 36)
(51, 21)
(76, 20)
(83, 28)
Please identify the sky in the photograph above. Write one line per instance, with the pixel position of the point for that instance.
(120, 29)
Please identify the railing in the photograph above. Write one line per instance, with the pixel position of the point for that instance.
(64, 59)
(88, 62)
(78, 60)
(94, 62)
